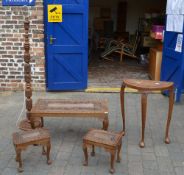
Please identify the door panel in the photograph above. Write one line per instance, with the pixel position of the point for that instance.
(172, 64)
(67, 60)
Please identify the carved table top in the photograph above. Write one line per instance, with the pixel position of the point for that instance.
(147, 85)
(63, 107)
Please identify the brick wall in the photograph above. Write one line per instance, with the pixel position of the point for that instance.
(11, 47)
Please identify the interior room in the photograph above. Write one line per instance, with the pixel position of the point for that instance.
(125, 40)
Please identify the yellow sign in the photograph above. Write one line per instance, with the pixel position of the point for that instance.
(55, 13)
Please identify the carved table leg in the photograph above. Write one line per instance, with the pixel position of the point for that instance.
(43, 150)
(122, 99)
(85, 150)
(113, 153)
(144, 108)
(171, 102)
(118, 153)
(42, 122)
(16, 158)
(48, 153)
(19, 159)
(93, 151)
(105, 123)
(32, 123)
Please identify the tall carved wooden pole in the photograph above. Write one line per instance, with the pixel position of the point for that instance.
(25, 124)
(27, 70)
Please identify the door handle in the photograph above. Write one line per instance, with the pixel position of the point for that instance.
(52, 39)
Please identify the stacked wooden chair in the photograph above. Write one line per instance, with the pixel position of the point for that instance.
(122, 48)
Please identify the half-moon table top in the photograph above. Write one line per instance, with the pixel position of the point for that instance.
(147, 85)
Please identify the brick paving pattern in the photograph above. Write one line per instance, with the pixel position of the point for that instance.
(156, 158)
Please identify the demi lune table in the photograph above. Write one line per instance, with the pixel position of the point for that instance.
(145, 87)
(70, 108)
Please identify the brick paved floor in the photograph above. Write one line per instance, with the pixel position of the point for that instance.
(156, 158)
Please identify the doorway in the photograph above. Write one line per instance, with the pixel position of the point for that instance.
(120, 20)
(66, 42)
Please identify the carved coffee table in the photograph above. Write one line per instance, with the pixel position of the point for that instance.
(70, 108)
(145, 87)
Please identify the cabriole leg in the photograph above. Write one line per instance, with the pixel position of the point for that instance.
(48, 153)
(112, 162)
(118, 153)
(85, 150)
(93, 151)
(144, 108)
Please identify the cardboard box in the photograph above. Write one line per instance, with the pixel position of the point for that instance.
(155, 61)
(147, 41)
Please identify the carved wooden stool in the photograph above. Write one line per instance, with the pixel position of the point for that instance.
(110, 141)
(144, 87)
(23, 139)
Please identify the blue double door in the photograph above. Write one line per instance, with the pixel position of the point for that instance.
(66, 46)
(173, 61)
